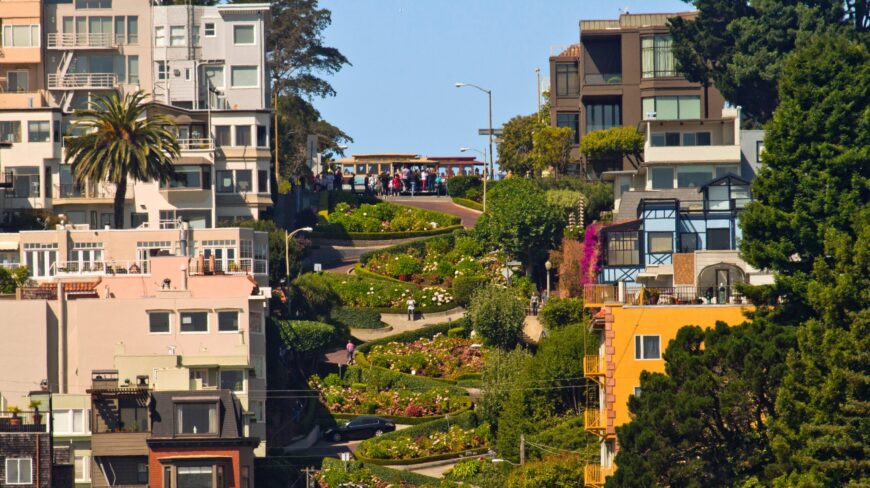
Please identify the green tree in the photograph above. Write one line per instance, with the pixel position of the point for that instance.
(559, 312)
(705, 422)
(305, 342)
(501, 369)
(613, 144)
(497, 315)
(519, 220)
(740, 46)
(559, 471)
(552, 148)
(11, 279)
(811, 224)
(516, 143)
(119, 144)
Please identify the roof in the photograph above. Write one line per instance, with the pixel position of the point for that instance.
(730, 178)
(630, 201)
(572, 51)
(453, 158)
(69, 286)
(230, 423)
(629, 20)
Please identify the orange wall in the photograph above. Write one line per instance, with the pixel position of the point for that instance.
(155, 467)
(663, 321)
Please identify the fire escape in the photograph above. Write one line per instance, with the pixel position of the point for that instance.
(69, 78)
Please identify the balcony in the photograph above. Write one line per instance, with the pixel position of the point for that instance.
(594, 421)
(242, 267)
(691, 154)
(23, 422)
(603, 78)
(23, 99)
(595, 474)
(82, 81)
(81, 41)
(70, 193)
(100, 268)
(196, 144)
(593, 367)
(598, 295)
(639, 295)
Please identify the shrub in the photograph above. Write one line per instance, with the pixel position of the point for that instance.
(404, 265)
(440, 357)
(554, 472)
(357, 318)
(479, 472)
(465, 286)
(568, 434)
(312, 294)
(468, 203)
(385, 217)
(474, 194)
(497, 315)
(559, 312)
(457, 332)
(413, 335)
(458, 186)
(306, 336)
(454, 434)
(335, 473)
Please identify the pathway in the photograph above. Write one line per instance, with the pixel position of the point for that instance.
(532, 329)
(398, 323)
(441, 204)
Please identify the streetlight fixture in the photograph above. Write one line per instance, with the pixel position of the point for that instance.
(548, 265)
(489, 95)
(287, 237)
(466, 149)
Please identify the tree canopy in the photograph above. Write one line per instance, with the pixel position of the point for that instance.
(552, 148)
(516, 144)
(614, 143)
(497, 314)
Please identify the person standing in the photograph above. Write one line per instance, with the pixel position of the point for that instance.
(535, 303)
(412, 306)
(350, 349)
(406, 176)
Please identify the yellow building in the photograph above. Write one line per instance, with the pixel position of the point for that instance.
(632, 339)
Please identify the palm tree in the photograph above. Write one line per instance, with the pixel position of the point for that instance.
(119, 143)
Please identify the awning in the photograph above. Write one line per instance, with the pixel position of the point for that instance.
(215, 361)
(8, 245)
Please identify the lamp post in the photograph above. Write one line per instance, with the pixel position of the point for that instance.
(489, 95)
(485, 177)
(287, 237)
(548, 265)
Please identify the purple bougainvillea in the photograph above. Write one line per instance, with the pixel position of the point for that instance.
(591, 254)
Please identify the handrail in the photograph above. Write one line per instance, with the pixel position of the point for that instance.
(100, 268)
(593, 419)
(72, 40)
(245, 266)
(196, 144)
(640, 295)
(82, 80)
(74, 190)
(593, 366)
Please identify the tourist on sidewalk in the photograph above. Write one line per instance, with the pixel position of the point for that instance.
(350, 348)
(412, 305)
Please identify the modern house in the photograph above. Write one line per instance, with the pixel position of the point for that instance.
(621, 73)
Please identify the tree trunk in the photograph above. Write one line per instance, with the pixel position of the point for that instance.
(120, 195)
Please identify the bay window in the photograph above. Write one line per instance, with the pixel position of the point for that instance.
(672, 107)
(657, 57)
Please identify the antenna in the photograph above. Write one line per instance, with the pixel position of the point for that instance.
(624, 10)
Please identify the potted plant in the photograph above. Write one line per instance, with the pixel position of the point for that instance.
(34, 406)
(15, 421)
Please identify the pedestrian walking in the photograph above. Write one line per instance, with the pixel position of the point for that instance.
(412, 305)
(535, 303)
(350, 348)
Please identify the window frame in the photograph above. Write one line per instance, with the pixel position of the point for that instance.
(206, 29)
(18, 461)
(232, 370)
(238, 321)
(183, 38)
(168, 314)
(708, 239)
(655, 235)
(253, 28)
(640, 349)
(564, 72)
(623, 248)
(160, 39)
(31, 36)
(654, 169)
(573, 121)
(214, 428)
(86, 468)
(181, 321)
(256, 69)
(39, 131)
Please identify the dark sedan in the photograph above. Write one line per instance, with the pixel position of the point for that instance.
(360, 428)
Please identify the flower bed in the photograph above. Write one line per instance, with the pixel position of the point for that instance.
(441, 439)
(335, 473)
(439, 357)
(384, 217)
(356, 291)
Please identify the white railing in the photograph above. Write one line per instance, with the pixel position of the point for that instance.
(246, 266)
(65, 41)
(196, 144)
(10, 266)
(82, 81)
(100, 268)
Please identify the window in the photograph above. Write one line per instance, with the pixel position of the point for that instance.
(726, 169)
(672, 108)
(663, 139)
(243, 77)
(10, 131)
(224, 181)
(82, 467)
(177, 35)
(688, 242)
(167, 476)
(660, 242)
(214, 76)
(209, 29)
(647, 347)
(40, 259)
(572, 121)
(194, 322)
(222, 135)
(258, 411)
(187, 176)
(19, 471)
(207, 376)
(186, 74)
(262, 138)
(194, 476)
(245, 476)
(132, 29)
(259, 364)
(21, 35)
(160, 36)
(622, 249)
(133, 70)
(718, 239)
(142, 473)
(161, 70)
(696, 139)
(262, 181)
(637, 391)
(228, 321)
(657, 57)
(196, 418)
(662, 177)
(255, 322)
(93, 3)
(38, 131)
(158, 322)
(694, 177)
(137, 219)
(243, 135)
(120, 30)
(25, 181)
(602, 116)
(759, 149)
(71, 421)
(567, 80)
(17, 81)
(233, 379)
(243, 34)
(194, 35)
(243, 181)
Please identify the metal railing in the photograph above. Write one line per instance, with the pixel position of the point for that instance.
(595, 474)
(593, 366)
(100, 268)
(24, 421)
(600, 294)
(196, 144)
(246, 266)
(593, 420)
(603, 78)
(11, 266)
(36, 293)
(73, 190)
(681, 295)
(68, 41)
(82, 81)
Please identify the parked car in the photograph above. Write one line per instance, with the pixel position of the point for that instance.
(360, 428)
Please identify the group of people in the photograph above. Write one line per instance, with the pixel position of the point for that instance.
(406, 181)
(329, 180)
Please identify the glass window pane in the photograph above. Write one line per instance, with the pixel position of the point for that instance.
(244, 76)
(224, 181)
(243, 34)
(228, 321)
(133, 69)
(661, 242)
(662, 178)
(196, 418)
(233, 380)
(158, 322)
(244, 181)
(667, 108)
(690, 107)
(724, 169)
(651, 347)
(194, 322)
(132, 29)
(177, 35)
(222, 135)
(718, 239)
(649, 106)
(243, 135)
(694, 177)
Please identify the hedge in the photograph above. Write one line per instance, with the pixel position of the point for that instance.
(413, 335)
(383, 378)
(334, 232)
(362, 360)
(409, 420)
(357, 318)
(458, 186)
(464, 202)
(403, 247)
(362, 272)
(466, 420)
(394, 476)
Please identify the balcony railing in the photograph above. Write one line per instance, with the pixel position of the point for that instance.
(36, 293)
(10, 266)
(681, 295)
(600, 294)
(593, 420)
(72, 190)
(73, 41)
(82, 81)
(603, 78)
(196, 144)
(100, 268)
(23, 422)
(595, 474)
(593, 366)
(245, 266)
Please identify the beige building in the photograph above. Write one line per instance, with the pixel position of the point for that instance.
(21, 62)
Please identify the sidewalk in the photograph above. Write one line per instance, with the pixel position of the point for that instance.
(398, 323)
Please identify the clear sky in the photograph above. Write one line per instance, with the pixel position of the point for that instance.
(399, 94)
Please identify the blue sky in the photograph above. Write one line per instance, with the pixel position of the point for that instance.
(399, 95)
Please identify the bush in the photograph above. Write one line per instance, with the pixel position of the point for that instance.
(440, 439)
(335, 473)
(479, 472)
(357, 318)
(458, 186)
(468, 203)
(312, 295)
(474, 194)
(554, 472)
(385, 217)
(413, 335)
(497, 315)
(559, 312)
(465, 286)
(457, 332)
(568, 434)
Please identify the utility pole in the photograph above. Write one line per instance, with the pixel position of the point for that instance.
(522, 449)
(275, 123)
(538, 75)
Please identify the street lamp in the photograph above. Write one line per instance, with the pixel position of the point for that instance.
(489, 95)
(548, 265)
(287, 237)
(466, 149)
